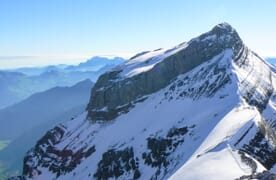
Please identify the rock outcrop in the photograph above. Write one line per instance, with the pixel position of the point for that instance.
(113, 94)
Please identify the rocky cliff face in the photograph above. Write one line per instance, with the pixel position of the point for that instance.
(114, 94)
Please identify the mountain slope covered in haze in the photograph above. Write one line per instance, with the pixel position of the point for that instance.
(22, 124)
(11, 157)
(204, 109)
(40, 107)
(11, 89)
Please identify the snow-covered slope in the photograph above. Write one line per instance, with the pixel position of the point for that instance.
(203, 110)
(145, 61)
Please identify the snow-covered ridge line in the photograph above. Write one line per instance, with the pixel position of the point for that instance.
(146, 60)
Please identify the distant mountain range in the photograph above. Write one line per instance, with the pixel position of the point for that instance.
(18, 84)
(93, 64)
(22, 124)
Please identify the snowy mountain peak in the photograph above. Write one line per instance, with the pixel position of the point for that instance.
(205, 109)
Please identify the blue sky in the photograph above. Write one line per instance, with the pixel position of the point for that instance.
(39, 32)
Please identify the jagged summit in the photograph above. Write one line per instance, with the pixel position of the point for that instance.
(226, 26)
(227, 30)
(223, 35)
(224, 29)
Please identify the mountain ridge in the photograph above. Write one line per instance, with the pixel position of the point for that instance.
(184, 59)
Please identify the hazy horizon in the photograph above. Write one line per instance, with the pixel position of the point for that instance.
(31, 36)
(15, 62)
